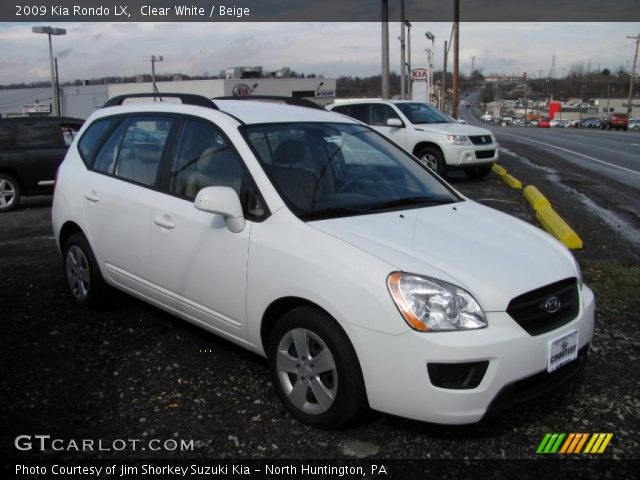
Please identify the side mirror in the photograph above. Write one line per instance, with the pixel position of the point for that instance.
(394, 122)
(222, 201)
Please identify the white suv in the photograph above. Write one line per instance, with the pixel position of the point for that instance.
(309, 238)
(438, 140)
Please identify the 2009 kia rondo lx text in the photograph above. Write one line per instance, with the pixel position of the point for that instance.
(307, 237)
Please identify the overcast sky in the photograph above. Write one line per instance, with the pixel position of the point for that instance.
(92, 50)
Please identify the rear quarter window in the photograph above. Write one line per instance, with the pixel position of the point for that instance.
(37, 135)
(91, 138)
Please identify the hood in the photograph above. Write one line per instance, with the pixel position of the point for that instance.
(492, 255)
(451, 129)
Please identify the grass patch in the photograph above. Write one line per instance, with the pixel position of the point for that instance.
(616, 286)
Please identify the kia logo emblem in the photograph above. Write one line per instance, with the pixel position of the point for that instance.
(241, 90)
(552, 304)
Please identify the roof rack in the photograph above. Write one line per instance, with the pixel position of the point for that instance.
(297, 101)
(186, 98)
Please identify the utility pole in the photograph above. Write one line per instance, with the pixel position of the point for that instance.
(633, 74)
(403, 67)
(409, 79)
(384, 18)
(456, 39)
(58, 103)
(153, 59)
(443, 93)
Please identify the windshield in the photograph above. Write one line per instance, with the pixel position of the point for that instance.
(422, 113)
(332, 170)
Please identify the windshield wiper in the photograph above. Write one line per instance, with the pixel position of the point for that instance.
(331, 212)
(411, 201)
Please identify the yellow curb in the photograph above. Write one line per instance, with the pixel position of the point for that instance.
(556, 226)
(499, 170)
(512, 181)
(536, 198)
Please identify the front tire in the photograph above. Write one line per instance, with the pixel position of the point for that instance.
(315, 369)
(9, 193)
(432, 157)
(477, 172)
(82, 274)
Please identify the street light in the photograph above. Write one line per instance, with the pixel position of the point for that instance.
(52, 31)
(153, 59)
(432, 37)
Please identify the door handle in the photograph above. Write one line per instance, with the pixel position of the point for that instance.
(164, 221)
(92, 196)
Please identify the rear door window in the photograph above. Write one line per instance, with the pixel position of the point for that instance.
(37, 135)
(5, 136)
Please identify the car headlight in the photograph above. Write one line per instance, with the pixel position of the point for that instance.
(458, 140)
(493, 139)
(578, 271)
(431, 305)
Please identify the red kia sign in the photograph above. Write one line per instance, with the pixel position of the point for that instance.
(419, 74)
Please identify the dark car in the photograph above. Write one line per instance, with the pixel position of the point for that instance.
(31, 148)
(591, 123)
(619, 121)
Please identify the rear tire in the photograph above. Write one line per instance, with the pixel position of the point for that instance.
(315, 369)
(432, 157)
(9, 193)
(477, 172)
(82, 274)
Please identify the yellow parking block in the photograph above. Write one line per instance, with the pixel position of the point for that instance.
(536, 198)
(512, 181)
(499, 170)
(556, 226)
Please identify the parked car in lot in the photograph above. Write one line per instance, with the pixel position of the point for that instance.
(619, 121)
(31, 148)
(634, 124)
(307, 237)
(438, 140)
(544, 123)
(591, 123)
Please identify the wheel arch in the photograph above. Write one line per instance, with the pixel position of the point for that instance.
(13, 174)
(69, 228)
(420, 145)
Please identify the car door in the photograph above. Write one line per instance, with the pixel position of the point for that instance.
(37, 153)
(119, 191)
(196, 259)
(379, 114)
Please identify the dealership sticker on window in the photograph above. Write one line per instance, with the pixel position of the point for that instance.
(562, 350)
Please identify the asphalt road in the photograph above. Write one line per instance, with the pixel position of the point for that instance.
(612, 154)
(585, 172)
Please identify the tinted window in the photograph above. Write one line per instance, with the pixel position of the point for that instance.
(422, 113)
(105, 160)
(341, 109)
(380, 113)
(5, 136)
(139, 154)
(92, 136)
(205, 158)
(37, 135)
(360, 111)
(69, 132)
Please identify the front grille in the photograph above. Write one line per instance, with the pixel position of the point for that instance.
(536, 385)
(530, 312)
(485, 153)
(481, 139)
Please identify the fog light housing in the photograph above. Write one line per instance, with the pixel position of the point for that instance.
(457, 376)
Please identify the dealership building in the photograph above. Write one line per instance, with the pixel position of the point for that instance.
(82, 100)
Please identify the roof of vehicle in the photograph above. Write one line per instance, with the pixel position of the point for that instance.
(370, 100)
(250, 112)
(40, 120)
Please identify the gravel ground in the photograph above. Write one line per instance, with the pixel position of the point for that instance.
(136, 372)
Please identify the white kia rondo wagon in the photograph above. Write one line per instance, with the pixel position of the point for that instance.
(307, 237)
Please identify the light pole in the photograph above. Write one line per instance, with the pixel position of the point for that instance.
(431, 37)
(407, 24)
(54, 91)
(153, 59)
(403, 66)
(384, 20)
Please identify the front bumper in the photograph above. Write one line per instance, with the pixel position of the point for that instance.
(471, 156)
(395, 366)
